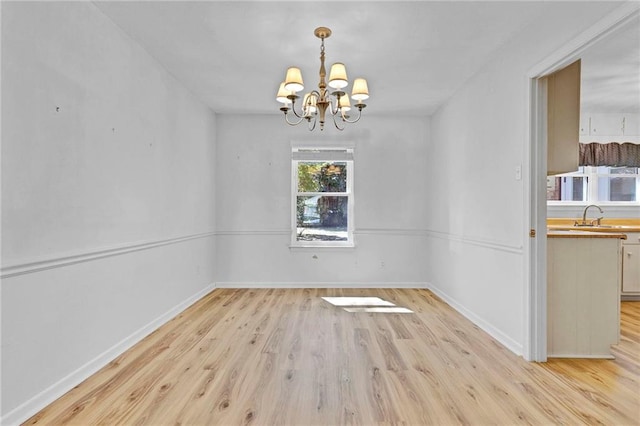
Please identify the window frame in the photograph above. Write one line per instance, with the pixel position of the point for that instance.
(322, 154)
(592, 194)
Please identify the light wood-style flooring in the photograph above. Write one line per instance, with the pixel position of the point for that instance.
(287, 357)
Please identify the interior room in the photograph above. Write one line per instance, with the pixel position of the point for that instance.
(174, 250)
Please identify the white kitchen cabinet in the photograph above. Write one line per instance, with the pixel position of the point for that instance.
(632, 124)
(608, 127)
(631, 266)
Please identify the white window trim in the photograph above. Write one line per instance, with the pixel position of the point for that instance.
(348, 148)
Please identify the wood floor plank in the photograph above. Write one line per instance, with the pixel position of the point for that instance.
(288, 357)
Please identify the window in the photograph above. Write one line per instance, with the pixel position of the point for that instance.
(596, 185)
(322, 197)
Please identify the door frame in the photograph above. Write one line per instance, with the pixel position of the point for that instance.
(535, 265)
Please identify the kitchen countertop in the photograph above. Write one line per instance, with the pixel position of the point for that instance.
(584, 234)
(614, 225)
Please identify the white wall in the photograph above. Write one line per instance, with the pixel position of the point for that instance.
(253, 176)
(107, 207)
(610, 211)
(475, 248)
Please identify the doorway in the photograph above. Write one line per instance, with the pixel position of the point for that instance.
(535, 300)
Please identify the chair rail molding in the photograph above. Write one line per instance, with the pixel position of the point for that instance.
(50, 262)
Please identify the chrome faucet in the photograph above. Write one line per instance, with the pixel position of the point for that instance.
(584, 217)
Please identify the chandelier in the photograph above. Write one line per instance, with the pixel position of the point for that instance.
(316, 103)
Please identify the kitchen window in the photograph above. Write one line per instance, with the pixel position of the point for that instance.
(322, 197)
(617, 185)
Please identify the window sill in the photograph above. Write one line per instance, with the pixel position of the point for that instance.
(599, 203)
(321, 246)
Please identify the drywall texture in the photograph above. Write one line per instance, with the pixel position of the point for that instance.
(478, 141)
(253, 192)
(101, 149)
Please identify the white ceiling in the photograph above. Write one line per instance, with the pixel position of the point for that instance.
(415, 55)
(611, 72)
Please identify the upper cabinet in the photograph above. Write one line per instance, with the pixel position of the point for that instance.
(617, 127)
(563, 119)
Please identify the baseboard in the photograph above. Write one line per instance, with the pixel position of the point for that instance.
(55, 391)
(630, 298)
(505, 340)
(338, 284)
(582, 356)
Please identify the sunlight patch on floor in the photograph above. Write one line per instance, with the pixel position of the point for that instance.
(381, 310)
(367, 304)
(357, 301)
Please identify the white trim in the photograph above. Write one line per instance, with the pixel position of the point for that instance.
(596, 32)
(323, 144)
(253, 232)
(535, 268)
(411, 232)
(55, 391)
(335, 284)
(505, 340)
(535, 261)
(393, 232)
(42, 264)
(630, 298)
(323, 244)
(480, 242)
(578, 356)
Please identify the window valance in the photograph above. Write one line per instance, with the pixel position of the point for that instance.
(611, 154)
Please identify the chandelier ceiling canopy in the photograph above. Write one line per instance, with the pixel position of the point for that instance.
(316, 103)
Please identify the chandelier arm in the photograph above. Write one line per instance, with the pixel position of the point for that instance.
(333, 111)
(293, 108)
(352, 121)
(286, 118)
(311, 127)
(335, 122)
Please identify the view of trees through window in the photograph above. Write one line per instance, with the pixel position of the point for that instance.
(322, 201)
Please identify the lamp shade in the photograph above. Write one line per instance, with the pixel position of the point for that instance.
(338, 76)
(344, 103)
(282, 94)
(360, 90)
(293, 82)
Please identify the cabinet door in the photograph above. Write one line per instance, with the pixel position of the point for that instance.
(631, 268)
(585, 127)
(563, 119)
(607, 125)
(632, 124)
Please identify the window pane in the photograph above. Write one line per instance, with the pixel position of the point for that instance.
(321, 218)
(567, 188)
(322, 177)
(553, 188)
(578, 189)
(621, 187)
